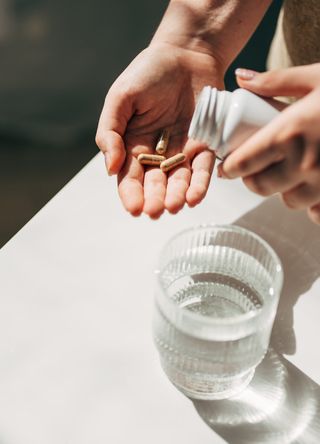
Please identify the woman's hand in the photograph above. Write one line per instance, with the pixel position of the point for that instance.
(284, 156)
(157, 91)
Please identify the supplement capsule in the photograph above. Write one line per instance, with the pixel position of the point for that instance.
(172, 162)
(150, 159)
(162, 144)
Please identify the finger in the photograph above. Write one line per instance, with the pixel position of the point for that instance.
(314, 213)
(194, 147)
(111, 144)
(202, 166)
(311, 157)
(155, 182)
(177, 186)
(279, 177)
(130, 185)
(302, 196)
(117, 111)
(244, 163)
(264, 147)
(296, 81)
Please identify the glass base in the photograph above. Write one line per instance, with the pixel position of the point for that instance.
(208, 388)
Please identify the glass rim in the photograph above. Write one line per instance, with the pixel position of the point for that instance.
(230, 320)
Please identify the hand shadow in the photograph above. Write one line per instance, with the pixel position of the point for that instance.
(281, 405)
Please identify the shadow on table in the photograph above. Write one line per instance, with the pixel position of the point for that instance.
(281, 405)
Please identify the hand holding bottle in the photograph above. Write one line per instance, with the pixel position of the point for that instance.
(284, 156)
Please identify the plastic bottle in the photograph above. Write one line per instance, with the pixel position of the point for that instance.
(223, 119)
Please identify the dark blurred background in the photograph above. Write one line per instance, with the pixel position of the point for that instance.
(58, 59)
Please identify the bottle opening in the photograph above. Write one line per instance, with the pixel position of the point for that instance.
(208, 119)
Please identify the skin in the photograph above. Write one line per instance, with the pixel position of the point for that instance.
(284, 156)
(157, 91)
(192, 48)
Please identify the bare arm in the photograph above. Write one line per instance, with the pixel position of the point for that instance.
(219, 28)
(193, 46)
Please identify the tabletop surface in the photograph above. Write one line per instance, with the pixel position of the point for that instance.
(77, 361)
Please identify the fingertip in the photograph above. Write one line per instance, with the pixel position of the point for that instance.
(115, 159)
(107, 163)
(155, 216)
(112, 146)
(257, 82)
(114, 167)
(174, 210)
(132, 200)
(174, 206)
(154, 192)
(294, 81)
(245, 74)
(134, 209)
(286, 201)
(195, 195)
(314, 214)
(153, 208)
(178, 184)
(136, 214)
(225, 170)
(192, 204)
(220, 172)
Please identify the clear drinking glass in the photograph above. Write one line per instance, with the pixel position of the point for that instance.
(217, 293)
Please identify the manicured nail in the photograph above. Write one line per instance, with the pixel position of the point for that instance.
(245, 74)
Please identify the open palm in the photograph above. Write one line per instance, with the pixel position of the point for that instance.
(156, 92)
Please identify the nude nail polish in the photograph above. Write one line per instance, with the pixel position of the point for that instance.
(245, 74)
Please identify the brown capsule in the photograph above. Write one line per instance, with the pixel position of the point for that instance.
(172, 162)
(163, 141)
(150, 159)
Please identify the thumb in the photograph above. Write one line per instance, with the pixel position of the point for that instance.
(113, 121)
(295, 82)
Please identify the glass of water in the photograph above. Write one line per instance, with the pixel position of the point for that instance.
(217, 291)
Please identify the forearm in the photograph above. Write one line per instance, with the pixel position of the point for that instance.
(219, 28)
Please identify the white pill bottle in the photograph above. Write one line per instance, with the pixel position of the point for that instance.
(223, 120)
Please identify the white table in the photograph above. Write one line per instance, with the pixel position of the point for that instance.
(77, 362)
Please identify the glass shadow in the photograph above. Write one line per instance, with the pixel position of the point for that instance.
(281, 405)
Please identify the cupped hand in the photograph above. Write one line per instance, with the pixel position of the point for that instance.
(284, 156)
(157, 91)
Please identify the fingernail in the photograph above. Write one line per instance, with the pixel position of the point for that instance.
(107, 162)
(245, 74)
(219, 171)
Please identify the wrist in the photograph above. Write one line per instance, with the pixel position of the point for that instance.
(203, 69)
(191, 48)
(191, 59)
(217, 28)
(186, 26)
